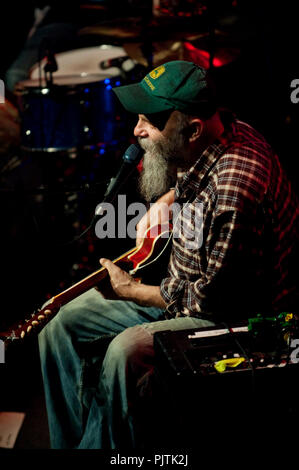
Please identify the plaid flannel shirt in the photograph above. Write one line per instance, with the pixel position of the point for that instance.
(246, 261)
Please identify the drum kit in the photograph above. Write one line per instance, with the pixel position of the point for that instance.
(70, 107)
(76, 108)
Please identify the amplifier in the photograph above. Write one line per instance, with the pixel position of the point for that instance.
(220, 349)
(226, 378)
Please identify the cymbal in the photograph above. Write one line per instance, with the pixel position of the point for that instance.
(180, 50)
(125, 29)
(136, 29)
(217, 37)
(167, 39)
(161, 52)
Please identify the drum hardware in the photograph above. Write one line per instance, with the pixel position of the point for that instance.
(46, 61)
(50, 67)
(78, 65)
(124, 64)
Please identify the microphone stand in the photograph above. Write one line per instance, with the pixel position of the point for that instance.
(50, 67)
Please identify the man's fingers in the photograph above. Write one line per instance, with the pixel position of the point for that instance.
(111, 267)
(106, 263)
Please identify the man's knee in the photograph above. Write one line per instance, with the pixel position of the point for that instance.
(134, 345)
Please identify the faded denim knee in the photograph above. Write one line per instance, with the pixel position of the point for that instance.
(131, 350)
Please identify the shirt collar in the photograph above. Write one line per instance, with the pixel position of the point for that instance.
(192, 180)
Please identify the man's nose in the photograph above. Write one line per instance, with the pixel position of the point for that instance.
(140, 129)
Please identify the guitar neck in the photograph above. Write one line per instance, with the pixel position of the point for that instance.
(88, 282)
(142, 256)
(39, 319)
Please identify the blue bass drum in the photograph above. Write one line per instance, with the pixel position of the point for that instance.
(68, 116)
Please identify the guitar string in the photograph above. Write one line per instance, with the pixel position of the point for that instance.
(133, 271)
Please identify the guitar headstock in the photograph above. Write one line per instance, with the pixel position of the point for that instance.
(34, 323)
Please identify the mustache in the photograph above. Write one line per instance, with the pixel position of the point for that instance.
(153, 148)
(145, 144)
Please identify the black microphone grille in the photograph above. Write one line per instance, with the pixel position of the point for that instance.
(133, 154)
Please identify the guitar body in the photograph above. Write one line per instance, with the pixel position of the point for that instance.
(140, 262)
(150, 259)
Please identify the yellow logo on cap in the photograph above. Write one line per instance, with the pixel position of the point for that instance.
(157, 72)
(147, 80)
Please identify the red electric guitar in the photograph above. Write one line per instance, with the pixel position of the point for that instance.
(137, 261)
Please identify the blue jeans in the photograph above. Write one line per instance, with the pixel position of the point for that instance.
(95, 353)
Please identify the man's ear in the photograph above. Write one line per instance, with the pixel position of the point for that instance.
(195, 129)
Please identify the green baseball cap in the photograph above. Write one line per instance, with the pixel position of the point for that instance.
(177, 85)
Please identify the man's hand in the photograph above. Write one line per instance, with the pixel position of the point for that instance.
(122, 283)
(127, 288)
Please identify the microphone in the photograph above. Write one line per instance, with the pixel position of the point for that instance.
(117, 62)
(131, 158)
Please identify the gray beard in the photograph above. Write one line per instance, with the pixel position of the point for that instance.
(157, 175)
(155, 179)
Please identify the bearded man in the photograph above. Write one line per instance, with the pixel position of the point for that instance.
(244, 265)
